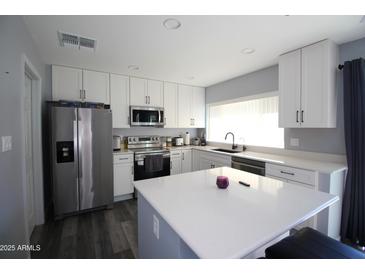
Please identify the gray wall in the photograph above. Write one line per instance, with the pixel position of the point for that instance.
(315, 140)
(15, 40)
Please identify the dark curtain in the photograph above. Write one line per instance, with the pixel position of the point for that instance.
(353, 211)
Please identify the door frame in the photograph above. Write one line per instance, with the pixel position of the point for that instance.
(37, 151)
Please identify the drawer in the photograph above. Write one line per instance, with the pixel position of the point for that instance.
(175, 154)
(294, 174)
(122, 158)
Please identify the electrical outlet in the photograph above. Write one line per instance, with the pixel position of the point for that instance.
(6, 142)
(294, 142)
(156, 227)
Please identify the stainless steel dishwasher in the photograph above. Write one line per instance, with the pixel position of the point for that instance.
(248, 165)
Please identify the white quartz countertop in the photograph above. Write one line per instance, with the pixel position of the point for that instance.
(297, 162)
(232, 222)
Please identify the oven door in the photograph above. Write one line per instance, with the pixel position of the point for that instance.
(151, 165)
(146, 116)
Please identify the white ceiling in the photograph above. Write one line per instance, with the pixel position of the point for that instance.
(206, 47)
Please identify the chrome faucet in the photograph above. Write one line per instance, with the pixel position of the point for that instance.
(233, 145)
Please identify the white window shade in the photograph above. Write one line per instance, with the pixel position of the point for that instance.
(253, 122)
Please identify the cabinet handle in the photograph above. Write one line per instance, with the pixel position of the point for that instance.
(149, 100)
(287, 173)
(165, 121)
(123, 158)
(302, 116)
(183, 157)
(297, 116)
(81, 94)
(132, 169)
(170, 164)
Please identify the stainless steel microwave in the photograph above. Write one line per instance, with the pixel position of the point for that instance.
(146, 116)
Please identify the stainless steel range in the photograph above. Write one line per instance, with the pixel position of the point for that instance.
(150, 158)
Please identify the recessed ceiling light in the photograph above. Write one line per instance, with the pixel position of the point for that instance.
(190, 77)
(133, 67)
(248, 51)
(171, 23)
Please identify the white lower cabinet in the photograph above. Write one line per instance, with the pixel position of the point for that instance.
(175, 165)
(181, 161)
(123, 175)
(206, 160)
(186, 160)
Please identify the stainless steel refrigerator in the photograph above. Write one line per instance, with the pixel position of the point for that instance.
(82, 158)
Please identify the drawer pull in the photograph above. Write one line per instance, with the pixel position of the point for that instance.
(288, 173)
(123, 158)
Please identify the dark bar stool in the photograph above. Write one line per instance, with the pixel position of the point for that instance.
(308, 243)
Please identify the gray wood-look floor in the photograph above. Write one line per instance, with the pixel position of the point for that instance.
(109, 233)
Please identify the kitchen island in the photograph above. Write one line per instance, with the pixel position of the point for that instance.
(187, 216)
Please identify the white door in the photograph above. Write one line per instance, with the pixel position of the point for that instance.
(29, 153)
(289, 89)
(96, 86)
(205, 163)
(155, 93)
(170, 104)
(198, 107)
(66, 83)
(184, 106)
(195, 160)
(175, 163)
(138, 92)
(186, 161)
(119, 100)
(314, 85)
(123, 178)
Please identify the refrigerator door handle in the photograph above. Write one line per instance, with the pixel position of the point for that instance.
(76, 156)
(79, 143)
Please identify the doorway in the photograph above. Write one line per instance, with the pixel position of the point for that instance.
(33, 160)
(30, 210)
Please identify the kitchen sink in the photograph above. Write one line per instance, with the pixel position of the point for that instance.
(226, 150)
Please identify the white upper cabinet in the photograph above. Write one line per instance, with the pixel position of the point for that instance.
(170, 105)
(80, 85)
(144, 92)
(191, 107)
(307, 85)
(66, 83)
(184, 100)
(319, 104)
(155, 93)
(289, 87)
(198, 107)
(138, 91)
(96, 86)
(119, 98)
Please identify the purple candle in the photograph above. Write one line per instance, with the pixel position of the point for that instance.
(222, 182)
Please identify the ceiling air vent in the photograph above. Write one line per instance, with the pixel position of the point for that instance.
(68, 40)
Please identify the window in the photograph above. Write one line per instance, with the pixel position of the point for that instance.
(253, 121)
